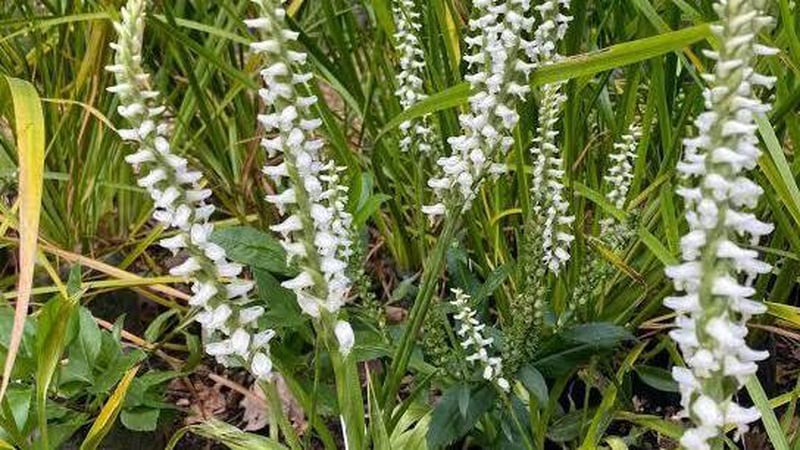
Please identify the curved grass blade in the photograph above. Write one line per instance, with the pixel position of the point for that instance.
(29, 129)
(572, 67)
(230, 436)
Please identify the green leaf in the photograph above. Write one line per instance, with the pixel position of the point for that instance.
(252, 247)
(108, 414)
(30, 133)
(657, 378)
(282, 309)
(664, 427)
(534, 382)
(448, 424)
(565, 351)
(140, 419)
(90, 337)
(368, 209)
(226, 434)
(776, 435)
(463, 400)
(53, 324)
(448, 98)
(492, 283)
(568, 427)
(156, 327)
(777, 169)
(619, 55)
(380, 437)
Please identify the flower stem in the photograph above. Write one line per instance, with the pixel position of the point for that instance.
(418, 311)
(276, 409)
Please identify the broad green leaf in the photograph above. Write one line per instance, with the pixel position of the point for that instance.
(140, 419)
(534, 382)
(252, 247)
(282, 309)
(29, 130)
(568, 427)
(657, 378)
(448, 424)
(565, 351)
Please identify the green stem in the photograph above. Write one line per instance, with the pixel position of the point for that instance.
(507, 402)
(314, 392)
(351, 402)
(418, 312)
(275, 406)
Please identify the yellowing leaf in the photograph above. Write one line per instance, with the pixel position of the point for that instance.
(108, 415)
(29, 129)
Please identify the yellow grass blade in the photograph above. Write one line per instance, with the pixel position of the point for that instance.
(29, 129)
(108, 415)
(294, 6)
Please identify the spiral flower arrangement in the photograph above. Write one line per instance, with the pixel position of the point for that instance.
(416, 134)
(316, 228)
(717, 273)
(471, 331)
(229, 318)
(547, 188)
(499, 75)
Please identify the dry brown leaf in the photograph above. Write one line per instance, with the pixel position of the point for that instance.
(256, 410)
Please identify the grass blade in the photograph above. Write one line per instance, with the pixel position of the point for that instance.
(29, 120)
(572, 67)
(108, 415)
(776, 435)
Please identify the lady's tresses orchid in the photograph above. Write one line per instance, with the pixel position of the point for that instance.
(499, 78)
(416, 134)
(471, 332)
(228, 317)
(717, 273)
(316, 228)
(548, 167)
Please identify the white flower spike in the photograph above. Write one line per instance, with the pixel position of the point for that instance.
(499, 80)
(415, 134)
(547, 188)
(180, 204)
(317, 228)
(470, 331)
(717, 274)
